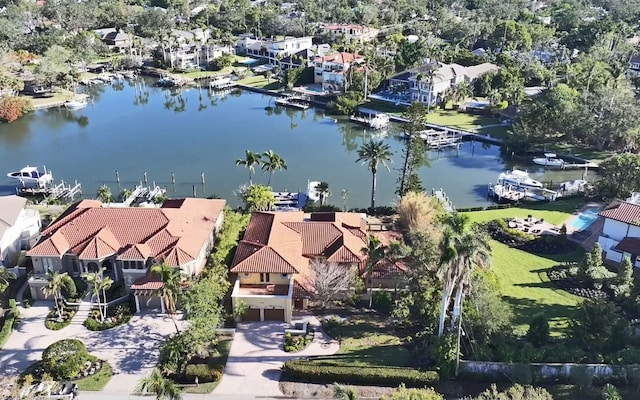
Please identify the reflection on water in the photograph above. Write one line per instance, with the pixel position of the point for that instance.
(138, 127)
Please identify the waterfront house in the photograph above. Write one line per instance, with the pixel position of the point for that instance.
(330, 70)
(272, 50)
(127, 241)
(620, 235)
(427, 83)
(18, 227)
(349, 32)
(634, 66)
(304, 58)
(116, 39)
(272, 260)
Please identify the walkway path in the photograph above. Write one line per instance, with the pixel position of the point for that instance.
(256, 357)
(131, 349)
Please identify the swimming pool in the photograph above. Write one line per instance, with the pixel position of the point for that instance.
(585, 218)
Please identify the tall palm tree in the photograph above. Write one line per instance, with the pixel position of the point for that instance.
(99, 285)
(323, 191)
(461, 249)
(374, 253)
(463, 91)
(373, 154)
(272, 162)
(164, 389)
(5, 277)
(170, 290)
(251, 159)
(56, 282)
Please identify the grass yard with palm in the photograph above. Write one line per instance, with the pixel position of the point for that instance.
(523, 278)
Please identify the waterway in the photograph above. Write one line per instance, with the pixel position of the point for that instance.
(136, 128)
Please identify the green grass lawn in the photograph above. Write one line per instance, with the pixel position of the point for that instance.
(259, 81)
(525, 285)
(366, 342)
(555, 212)
(98, 381)
(499, 132)
(459, 120)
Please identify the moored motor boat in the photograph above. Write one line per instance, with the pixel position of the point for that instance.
(75, 104)
(32, 176)
(518, 178)
(549, 160)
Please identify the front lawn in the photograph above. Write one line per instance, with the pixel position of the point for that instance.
(224, 346)
(259, 81)
(460, 120)
(555, 212)
(525, 285)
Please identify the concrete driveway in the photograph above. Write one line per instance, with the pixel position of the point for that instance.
(131, 349)
(257, 355)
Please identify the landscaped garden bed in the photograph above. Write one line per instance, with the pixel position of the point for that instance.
(116, 315)
(298, 342)
(68, 359)
(548, 244)
(208, 371)
(56, 320)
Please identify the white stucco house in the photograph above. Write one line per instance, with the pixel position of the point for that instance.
(330, 70)
(272, 50)
(621, 232)
(18, 226)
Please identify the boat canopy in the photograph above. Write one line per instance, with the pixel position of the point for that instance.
(28, 169)
(550, 155)
(519, 173)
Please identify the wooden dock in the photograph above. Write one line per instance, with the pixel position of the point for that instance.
(53, 192)
(297, 102)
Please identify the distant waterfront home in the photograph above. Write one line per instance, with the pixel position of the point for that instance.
(634, 66)
(272, 260)
(127, 241)
(18, 226)
(116, 39)
(428, 82)
(304, 58)
(350, 32)
(272, 50)
(621, 232)
(330, 71)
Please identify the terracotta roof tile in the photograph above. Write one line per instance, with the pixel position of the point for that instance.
(136, 252)
(628, 213)
(384, 269)
(264, 259)
(147, 282)
(55, 245)
(339, 58)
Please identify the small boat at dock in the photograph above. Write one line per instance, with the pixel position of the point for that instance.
(75, 104)
(32, 176)
(221, 82)
(549, 160)
(298, 102)
(371, 118)
(518, 178)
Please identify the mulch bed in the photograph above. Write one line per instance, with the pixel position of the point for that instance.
(561, 278)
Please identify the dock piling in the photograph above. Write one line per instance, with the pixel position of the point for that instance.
(173, 178)
(117, 177)
(194, 191)
(144, 177)
(202, 178)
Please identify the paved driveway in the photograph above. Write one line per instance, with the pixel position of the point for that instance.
(131, 349)
(256, 356)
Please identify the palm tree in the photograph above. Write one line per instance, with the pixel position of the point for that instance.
(156, 383)
(99, 285)
(374, 253)
(250, 160)
(323, 191)
(463, 91)
(5, 277)
(461, 249)
(56, 282)
(170, 290)
(104, 194)
(373, 154)
(272, 163)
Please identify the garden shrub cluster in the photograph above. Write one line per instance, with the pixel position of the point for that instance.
(8, 322)
(14, 107)
(204, 372)
(66, 358)
(543, 244)
(313, 370)
(293, 343)
(52, 322)
(117, 315)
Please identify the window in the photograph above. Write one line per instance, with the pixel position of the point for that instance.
(47, 263)
(75, 266)
(285, 276)
(246, 274)
(264, 277)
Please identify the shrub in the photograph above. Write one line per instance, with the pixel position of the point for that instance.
(538, 333)
(118, 315)
(203, 372)
(293, 343)
(13, 107)
(444, 352)
(382, 300)
(316, 372)
(64, 359)
(7, 326)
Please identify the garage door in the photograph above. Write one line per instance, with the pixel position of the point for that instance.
(274, 314)
(253, 314)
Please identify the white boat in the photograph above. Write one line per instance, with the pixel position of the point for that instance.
(75, 104)
(549, 160)
(32, 176)
(312, 192)
(518, 178)
(576, 185)
(380, 121)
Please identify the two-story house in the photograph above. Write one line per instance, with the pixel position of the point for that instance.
(634, 66)
(330, 71)
(620, 235)
(349, 32)
(18, 226)
(127, 241)
(428, 82)
(272, 259)
(272, 50)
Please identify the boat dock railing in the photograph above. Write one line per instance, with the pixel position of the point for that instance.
(143, 194)
(444, 199)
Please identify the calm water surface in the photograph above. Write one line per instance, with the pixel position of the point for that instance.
(136, 128)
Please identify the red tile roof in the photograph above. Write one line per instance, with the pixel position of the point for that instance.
(628, 213)
(339, 58)
(283, 242)
(175, 233)
(147, 282)
(385, 269)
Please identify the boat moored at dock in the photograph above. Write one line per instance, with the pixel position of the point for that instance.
(549, 160)
(298, 102)
(32, 176)
(518, 178)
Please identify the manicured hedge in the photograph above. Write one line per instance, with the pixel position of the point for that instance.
(203, 372)
(316, 372)
(9, 320)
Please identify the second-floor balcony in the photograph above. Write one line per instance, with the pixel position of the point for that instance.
(262, 289)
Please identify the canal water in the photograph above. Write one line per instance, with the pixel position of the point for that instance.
(135, 127)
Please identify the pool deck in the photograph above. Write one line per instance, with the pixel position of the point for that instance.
(588, 238)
